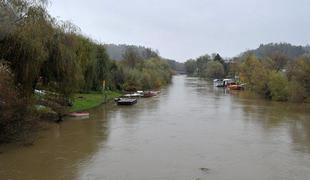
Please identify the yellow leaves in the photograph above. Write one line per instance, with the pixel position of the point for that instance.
(264, 77)
(254, 74)
(300, 72)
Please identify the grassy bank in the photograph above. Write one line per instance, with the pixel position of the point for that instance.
(91, 100)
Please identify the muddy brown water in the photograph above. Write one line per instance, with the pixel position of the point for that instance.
(190, 131)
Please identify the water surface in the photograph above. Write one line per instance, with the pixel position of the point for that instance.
(190, 126)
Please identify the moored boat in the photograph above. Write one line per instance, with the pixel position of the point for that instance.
(218, 83)
(147, 94)
(133, 95)
(79, 114)
(236, 87)
(126, 101)
(228, 82)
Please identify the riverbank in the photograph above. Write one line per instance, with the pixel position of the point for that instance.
(85, 101)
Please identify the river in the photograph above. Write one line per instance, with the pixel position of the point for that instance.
(192, 130)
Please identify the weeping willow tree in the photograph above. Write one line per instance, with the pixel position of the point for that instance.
(25, 46)
(61, 72)
(39, 48)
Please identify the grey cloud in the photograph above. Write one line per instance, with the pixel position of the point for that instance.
(182, 29)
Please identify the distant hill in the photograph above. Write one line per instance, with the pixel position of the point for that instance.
(289, 50)
(116, 53)
(176, 66)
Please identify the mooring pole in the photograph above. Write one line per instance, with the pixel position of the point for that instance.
(104, 92)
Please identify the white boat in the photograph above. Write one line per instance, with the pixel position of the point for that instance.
(218, 83)
(126, 101)
(227, 82)
(133, 95)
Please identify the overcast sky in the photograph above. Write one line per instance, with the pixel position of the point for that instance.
(183, 29)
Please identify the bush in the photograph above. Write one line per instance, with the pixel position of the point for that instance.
(297, 93)
(278, 86)
(299, 71)
(16, 117)
(255, 75)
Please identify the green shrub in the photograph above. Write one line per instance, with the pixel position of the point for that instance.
(278, 86)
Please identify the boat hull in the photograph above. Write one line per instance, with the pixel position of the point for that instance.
(79, 114)
(126, 102)
(150, 94)
(235, 87)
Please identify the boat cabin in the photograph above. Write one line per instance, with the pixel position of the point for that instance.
(227, 82)
(218, 82)
(223, 82)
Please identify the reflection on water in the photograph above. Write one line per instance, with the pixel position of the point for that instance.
(190, 126)
(295, 118)
(58, 152)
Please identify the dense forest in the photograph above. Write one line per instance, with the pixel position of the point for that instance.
(39, 54)
(279, 72)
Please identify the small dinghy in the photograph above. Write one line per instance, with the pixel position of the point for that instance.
(126, 101)
(236, 87)
(133, 95)
(79, 114)
(147, 94)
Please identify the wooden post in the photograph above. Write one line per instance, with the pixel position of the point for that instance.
(104, 92)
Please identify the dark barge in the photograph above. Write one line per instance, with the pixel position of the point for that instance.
(126, 101)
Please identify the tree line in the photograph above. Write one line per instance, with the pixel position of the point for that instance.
(39, 52)
(207, 66)
(275, 77)
(279, 72)
(116, 52)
